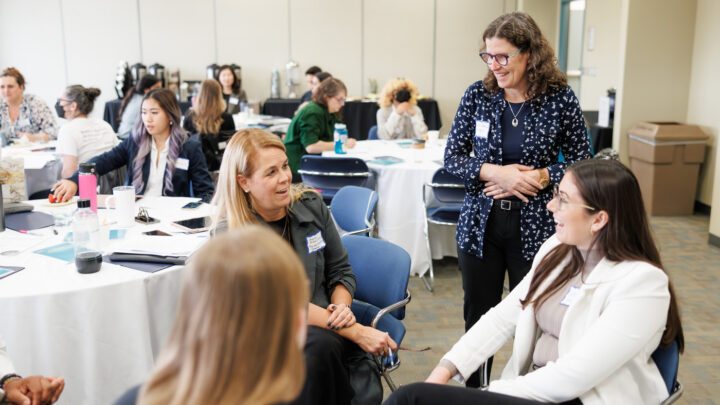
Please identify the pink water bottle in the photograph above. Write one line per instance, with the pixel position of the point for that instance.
(88, 184)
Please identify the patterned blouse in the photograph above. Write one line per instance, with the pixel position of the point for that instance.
(35, 116)
(554, 121)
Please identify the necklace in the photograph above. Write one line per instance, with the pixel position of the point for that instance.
(515, 120)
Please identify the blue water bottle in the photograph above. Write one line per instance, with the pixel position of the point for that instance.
(340, 137)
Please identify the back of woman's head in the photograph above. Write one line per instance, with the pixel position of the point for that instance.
(14, 73)
(236, 337)
(328, 88)
(208, 109)
(393, 86)
(521, 31)
(83, 96)
(145, 83)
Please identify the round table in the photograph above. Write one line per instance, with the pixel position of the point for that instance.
(400, 212)
(102, 331)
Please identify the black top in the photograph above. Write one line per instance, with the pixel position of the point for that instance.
(211, 151)
(227, 124)
(306, 97)
(513, 137)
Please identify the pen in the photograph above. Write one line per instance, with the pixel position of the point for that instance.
(25, 231)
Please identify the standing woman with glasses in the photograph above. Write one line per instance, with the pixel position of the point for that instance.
(504, 144)
(311, 129)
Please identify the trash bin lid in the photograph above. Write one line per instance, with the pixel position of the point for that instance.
(667, 131)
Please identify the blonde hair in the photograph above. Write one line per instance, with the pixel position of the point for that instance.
(235, 337)
(393, 86)
(240, 157)
(207, 112)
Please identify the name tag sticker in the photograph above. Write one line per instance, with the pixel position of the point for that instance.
(234, 100)
(315, 242)
(571, 296)
(481, 129)
(25, 122)
(182, 164)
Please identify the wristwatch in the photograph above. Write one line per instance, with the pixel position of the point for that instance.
(544, 178)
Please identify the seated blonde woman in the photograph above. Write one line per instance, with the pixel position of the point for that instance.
(254, 187)
(399, 116)
(239, 329)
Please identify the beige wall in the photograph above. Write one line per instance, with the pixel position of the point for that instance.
(601, 68)
(546, 14)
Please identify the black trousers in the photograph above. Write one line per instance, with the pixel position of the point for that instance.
(482, 279)
(326, 373)
(427, 394)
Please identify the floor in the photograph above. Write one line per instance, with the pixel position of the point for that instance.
(435, 319)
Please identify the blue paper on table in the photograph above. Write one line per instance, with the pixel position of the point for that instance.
(63, 251)
(28, 220)
(405, 144)
(146, 267)
(386, 160)
(114, 234)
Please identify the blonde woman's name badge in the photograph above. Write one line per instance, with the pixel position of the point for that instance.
(315, 242)
(573, 294)
(481, 129)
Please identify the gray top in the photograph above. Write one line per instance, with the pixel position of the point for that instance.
(130, 115)
(392, 125)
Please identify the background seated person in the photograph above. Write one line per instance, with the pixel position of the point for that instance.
(311, 130)
(240, 327)
(318, 78)
(232, 91)
(207, 118)
(399, 116)
(585, 320)
(310, 78)
(254, 186)
(129, 113)
(29, 390)
(81, 138)
(23, 115)
(160, 158)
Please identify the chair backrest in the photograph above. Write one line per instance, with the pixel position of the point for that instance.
(330, 174)
(447, 187)
(382, 270)
(372, 133)
(667, 361)
(352, 207)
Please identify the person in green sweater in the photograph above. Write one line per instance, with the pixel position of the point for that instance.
(311, 130)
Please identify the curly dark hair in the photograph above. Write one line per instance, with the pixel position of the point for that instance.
(521, 30)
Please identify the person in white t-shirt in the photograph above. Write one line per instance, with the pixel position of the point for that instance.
(81, 138)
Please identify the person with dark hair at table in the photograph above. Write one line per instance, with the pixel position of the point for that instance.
(310, 78)
(311, 130)
(81, 138)
(161, 159)
(36, 390)
(232, 91)
(129, 113)
(318, 78)
(23, 115)
(208, 118)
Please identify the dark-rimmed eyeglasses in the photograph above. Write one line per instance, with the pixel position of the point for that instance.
(501, 58)
(562, 200)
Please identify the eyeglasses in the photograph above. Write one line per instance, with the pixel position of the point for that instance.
(340, 100)
(500, 58)
(562, 200)
(63, 99)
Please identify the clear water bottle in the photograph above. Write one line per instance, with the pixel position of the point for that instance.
(340, 137)
(86, 238)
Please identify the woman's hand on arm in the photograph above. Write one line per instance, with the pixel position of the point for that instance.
(493, 190)
(64, 190)
(516, 179)
(341, 315)
(439, 375)
(369, 339)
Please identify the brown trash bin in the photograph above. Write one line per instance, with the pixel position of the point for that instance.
(666, 158)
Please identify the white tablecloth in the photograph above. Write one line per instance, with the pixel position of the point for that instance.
(102, 331)
(42, 167)
(400, 212)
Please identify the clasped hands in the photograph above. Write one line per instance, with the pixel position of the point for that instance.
(512, 180)
(34, 390)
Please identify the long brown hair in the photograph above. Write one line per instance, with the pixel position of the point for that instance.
(609, 186)
(235, 337)
(520, 29)
(208, 109)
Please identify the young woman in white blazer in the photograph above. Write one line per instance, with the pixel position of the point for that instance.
(587, 317)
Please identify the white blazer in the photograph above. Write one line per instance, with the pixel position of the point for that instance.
(606, 338)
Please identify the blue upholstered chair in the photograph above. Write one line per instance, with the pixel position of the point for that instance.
(353, 209)
(667, 361)
(372, 133)
(330, 174)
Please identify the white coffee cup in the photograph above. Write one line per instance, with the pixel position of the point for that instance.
(433, 136)
(124, 199)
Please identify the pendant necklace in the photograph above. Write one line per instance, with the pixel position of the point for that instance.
(515, 120)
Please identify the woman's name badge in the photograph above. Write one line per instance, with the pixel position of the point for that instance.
(234, 100)
(571, 297)
(182, 164)
(481, 129)
(315, 242)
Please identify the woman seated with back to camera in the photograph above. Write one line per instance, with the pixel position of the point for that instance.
(130, 108)
(586, 318)
(81, 138)
(399, 116)
(160, 158)
(208, 118)
(239, 329)
(254, 186)
(311, 130)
